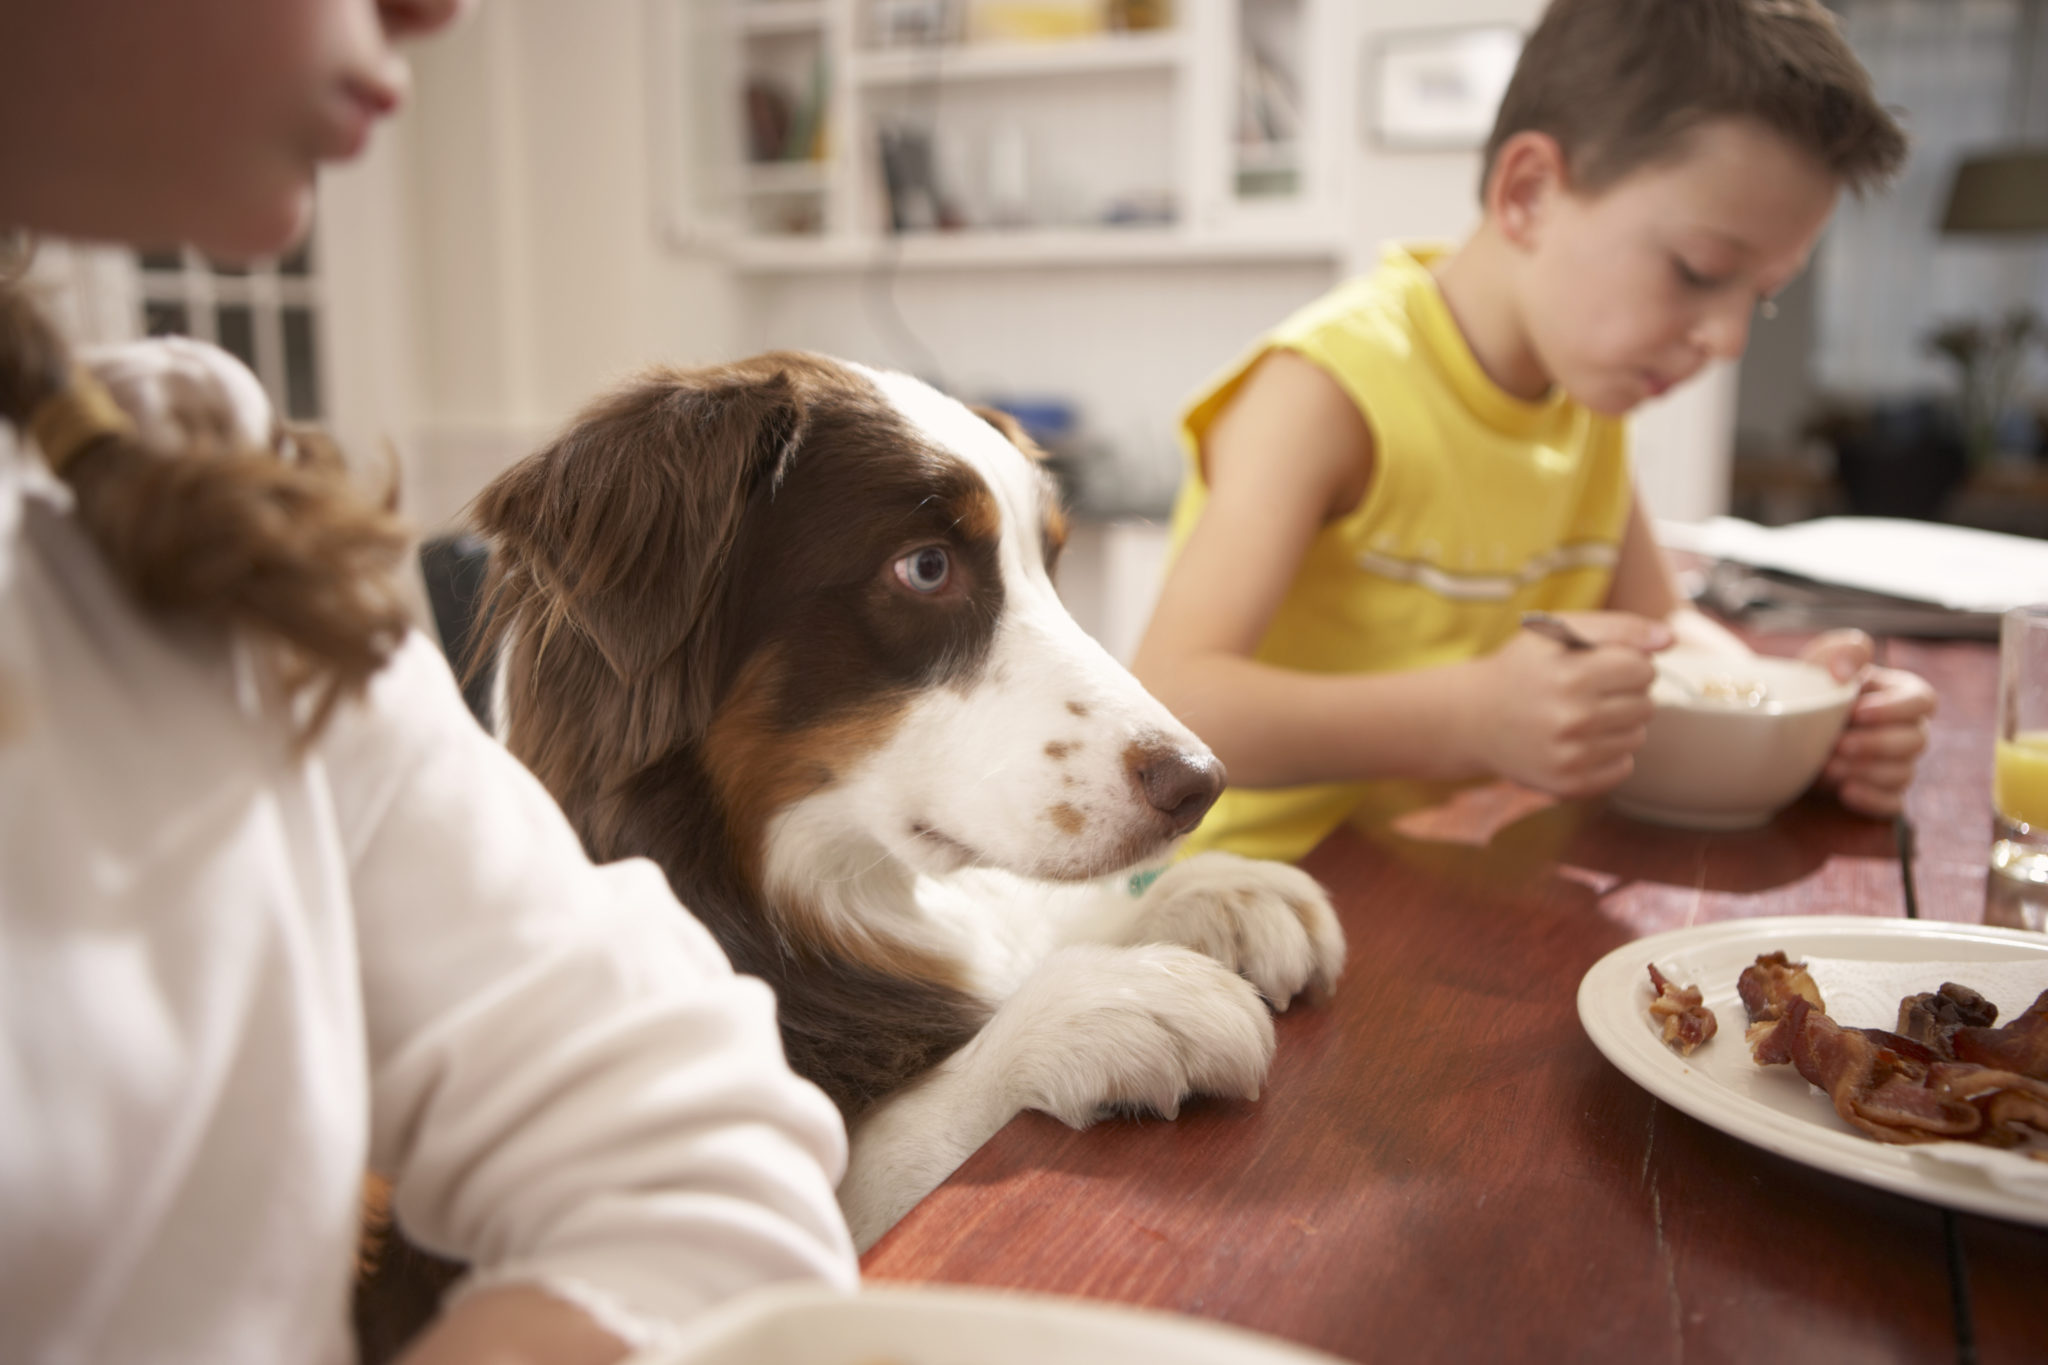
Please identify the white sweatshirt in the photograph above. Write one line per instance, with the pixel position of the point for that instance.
(231, 980)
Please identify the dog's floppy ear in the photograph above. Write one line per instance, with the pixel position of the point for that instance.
(1011, 428)
(1054, 510)
(623, 524)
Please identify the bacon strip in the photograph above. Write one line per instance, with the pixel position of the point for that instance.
(2015, 1107)
(1771, 984)
(2021, 1046)
(1932, 1017)
(1768, 987)
(1873, 1086)
(1687, 1022)
(2017, 1116)
(1944, 1075)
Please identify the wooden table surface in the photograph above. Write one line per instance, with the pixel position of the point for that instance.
(1442, 1167)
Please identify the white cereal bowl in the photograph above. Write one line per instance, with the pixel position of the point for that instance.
(1724, 764)
(948, 1325)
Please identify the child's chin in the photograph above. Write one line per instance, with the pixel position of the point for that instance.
(266, 223)
(1611, 400)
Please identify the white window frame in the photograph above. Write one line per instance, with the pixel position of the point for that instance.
(201, 289)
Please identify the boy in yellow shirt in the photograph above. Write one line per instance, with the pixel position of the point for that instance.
(1394, 475)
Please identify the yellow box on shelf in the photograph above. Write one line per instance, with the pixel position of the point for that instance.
(1035, 21)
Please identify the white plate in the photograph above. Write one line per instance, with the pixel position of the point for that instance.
(937, 1325)
(1774, 1107)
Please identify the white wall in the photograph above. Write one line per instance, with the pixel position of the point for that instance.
(370, 324)
(1406, 195)
(1128, 344)
(1683, 445)
(89, 290)
(517, 270)
(1777, 387)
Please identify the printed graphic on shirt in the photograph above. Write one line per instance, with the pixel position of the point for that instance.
(1490, 587)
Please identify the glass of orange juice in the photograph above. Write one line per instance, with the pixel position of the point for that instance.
(2019, 774)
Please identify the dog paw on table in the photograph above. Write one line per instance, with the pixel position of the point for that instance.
(1098, 1030)
(1270, 921)
(1095, 1030)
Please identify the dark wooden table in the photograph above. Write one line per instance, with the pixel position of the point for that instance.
(1443, 1168)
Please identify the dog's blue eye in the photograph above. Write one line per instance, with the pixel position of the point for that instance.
(925, 570)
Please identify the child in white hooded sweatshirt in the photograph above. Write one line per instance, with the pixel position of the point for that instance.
(273, 909)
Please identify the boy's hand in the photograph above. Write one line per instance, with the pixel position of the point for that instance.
(1568, 721)
(1873, 760)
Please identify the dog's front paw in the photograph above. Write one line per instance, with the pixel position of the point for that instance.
(1271, 921)
(1146, 1027)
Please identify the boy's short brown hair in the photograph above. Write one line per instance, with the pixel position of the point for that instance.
(1621, 83)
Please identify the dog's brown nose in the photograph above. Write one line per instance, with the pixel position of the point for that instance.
(1178, 783)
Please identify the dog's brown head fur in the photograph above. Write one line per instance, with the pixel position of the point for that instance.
(607, 546)
(661, 547)
(685, 590)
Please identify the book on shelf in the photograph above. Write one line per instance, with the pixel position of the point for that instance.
(1269, 101)
(786, 127)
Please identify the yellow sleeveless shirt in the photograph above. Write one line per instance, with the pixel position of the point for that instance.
(1482, 506)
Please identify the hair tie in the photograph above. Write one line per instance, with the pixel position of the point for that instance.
(79, 415)
(17, 254)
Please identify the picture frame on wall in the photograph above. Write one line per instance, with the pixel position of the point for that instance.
(1438, 89)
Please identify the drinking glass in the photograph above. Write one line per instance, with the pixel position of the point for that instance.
(2019, 775)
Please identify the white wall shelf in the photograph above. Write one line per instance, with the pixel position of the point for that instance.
(786, 177)
(1014, 61)
(1031, 151)
(1267, 156)
(778, 16)
(1023, 248)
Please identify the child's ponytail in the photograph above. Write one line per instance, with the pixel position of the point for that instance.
(281, 549)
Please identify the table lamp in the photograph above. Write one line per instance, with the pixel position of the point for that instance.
(2004, 191)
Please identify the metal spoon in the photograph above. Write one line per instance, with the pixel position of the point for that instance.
(1555, 628)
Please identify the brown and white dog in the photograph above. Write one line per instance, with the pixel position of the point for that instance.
(787, 627)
